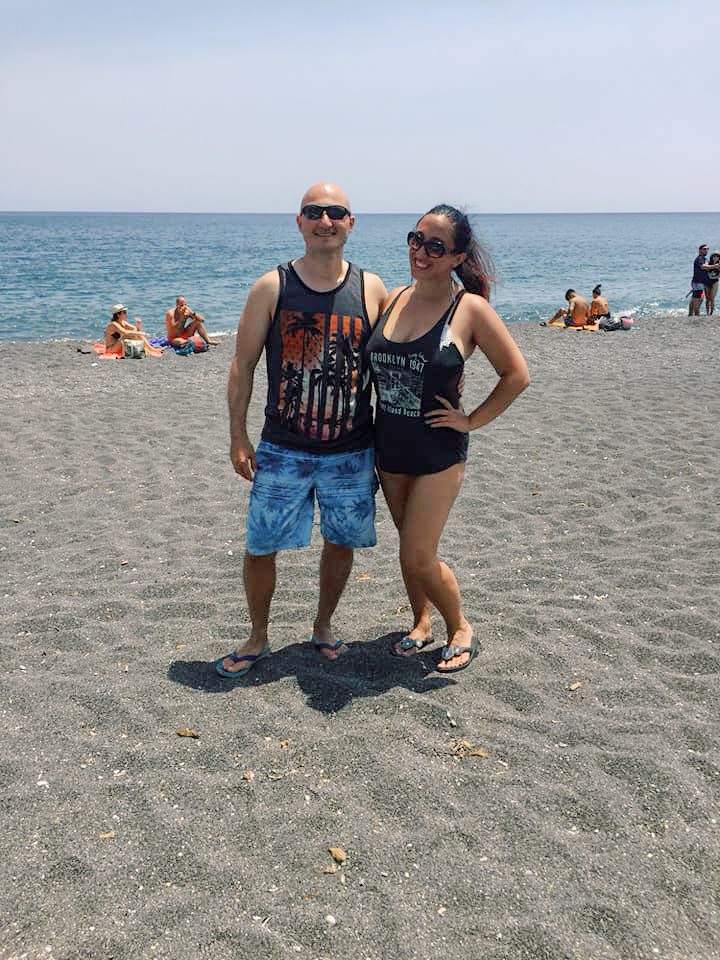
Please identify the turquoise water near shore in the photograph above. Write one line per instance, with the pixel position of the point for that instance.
(61, 272)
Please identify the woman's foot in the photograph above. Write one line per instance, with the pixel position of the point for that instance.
(463, 647)
(411, 643)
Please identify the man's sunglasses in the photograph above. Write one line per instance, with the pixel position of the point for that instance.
(314, 211)
(433, 248)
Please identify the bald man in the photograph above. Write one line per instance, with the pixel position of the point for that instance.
(182, 322)
(312, 317)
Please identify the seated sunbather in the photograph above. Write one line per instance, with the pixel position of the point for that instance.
(182, 323)
(577, 313)
(599, 309)
(120, 329)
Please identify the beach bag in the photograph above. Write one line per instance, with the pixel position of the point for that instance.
(194, 344)
(133, 349)
(623, 323)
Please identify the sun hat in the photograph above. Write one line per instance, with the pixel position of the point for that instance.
(119, 308)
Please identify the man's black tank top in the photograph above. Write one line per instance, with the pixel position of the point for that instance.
(318, 395)
(407, 376)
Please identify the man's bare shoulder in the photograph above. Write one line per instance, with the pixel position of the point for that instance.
(268, 283)
(264, 293)
(375, 294)
(373, 280)
(262, 300)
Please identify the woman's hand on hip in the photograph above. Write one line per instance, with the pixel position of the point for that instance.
(448, 416)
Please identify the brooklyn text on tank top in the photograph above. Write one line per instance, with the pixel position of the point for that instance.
(409, 373)
(409, 376)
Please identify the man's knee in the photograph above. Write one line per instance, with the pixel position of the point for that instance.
(261, 561)
(335, 551)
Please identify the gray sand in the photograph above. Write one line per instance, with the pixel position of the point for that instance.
(557, 800)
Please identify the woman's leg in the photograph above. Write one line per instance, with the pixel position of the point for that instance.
(710, 297)
(427, 507)
(396, 487)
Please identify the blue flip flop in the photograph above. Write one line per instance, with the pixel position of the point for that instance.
(332, 647)
(252, 657)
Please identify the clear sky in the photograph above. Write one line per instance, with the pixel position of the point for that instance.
(238, 105)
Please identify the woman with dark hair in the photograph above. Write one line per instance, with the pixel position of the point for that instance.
(711, 281)
(417, 353)
(599, 309)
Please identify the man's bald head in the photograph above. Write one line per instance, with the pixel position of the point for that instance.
(325, 193)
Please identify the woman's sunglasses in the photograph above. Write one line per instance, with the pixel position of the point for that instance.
(433, 248)
(313, 211)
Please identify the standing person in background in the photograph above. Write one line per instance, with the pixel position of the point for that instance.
(417, 354)
(599, 309)
(312, 316)
(697, 287)
(711, 281)
(181, 323)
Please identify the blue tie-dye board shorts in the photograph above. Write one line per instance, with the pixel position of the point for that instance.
(282, 499)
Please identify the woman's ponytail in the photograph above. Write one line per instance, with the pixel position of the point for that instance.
(476, 272)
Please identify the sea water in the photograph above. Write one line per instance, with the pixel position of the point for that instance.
(60, 273)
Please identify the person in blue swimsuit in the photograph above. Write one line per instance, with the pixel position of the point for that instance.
(416, 353)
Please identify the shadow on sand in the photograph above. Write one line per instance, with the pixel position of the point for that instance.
(366, 670)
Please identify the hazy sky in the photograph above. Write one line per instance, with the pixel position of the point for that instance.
(237, 105)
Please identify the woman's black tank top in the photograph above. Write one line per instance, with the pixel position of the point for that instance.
(407, 376)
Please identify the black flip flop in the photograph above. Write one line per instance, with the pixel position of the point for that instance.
(405, 643)
(448, 653)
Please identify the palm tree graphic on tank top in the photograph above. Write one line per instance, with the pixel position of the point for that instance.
(319, 378)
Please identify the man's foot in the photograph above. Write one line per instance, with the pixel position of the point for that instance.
(459, 652)
(410, 644)
(212, 343)
(322, 640)
(239, 662)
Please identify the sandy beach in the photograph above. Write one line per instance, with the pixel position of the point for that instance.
(558, 800)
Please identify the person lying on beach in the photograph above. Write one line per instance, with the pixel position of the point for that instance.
(181, 323)
(120, 329)
(312, 317)
(577, 312)
(599, 309)
(417, 354)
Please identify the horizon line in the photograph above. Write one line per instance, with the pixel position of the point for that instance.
(261, 213)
